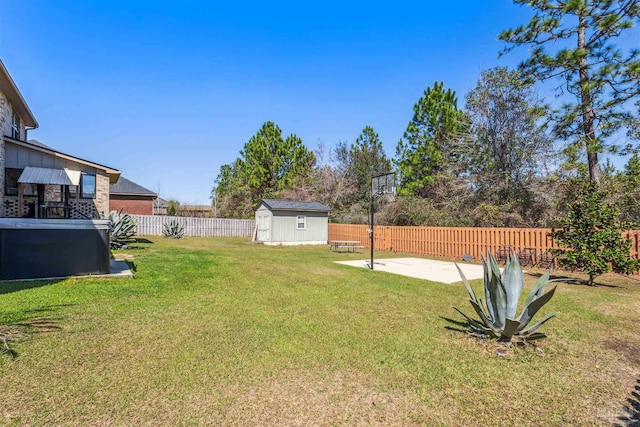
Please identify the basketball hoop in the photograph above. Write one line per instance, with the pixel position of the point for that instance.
(381, 185)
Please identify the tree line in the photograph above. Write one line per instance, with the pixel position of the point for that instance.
(507, 157)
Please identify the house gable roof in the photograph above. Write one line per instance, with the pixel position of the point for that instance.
(286, 205)
(10, 90)
(39, 144)
(128, 187)
(114, 174)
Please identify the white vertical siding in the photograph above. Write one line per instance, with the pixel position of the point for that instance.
(285, 227)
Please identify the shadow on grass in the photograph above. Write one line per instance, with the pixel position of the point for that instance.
(48, 308)
(9, 286)
(132, 266)
(458, 325)
(43, 324)
(138, 244)
(26, 329)
(23, 331)
(572, 280)
(631, 417)
(142, 240)
(133, 247)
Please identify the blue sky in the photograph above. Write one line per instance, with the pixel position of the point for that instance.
(167, 92)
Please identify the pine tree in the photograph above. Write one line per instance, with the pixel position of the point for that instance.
(428, 144)
(268, 164)
(367, 159)
(598, 77)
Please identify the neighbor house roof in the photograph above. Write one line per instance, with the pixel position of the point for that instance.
(161, 203)
(286, 205)
(127, 187)
(196, 208)
(10, 90)
(114, 174)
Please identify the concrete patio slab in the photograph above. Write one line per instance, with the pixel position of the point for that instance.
(118, 268)
(420, 268)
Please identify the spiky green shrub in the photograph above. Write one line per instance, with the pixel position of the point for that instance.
(121, 228)
(173, 229)
(502, 293)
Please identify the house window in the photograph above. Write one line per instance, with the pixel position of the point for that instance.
(11, 177)
(15, 127)
(302, 222)
(88, 186)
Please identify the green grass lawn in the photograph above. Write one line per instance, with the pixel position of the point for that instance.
(222, 332)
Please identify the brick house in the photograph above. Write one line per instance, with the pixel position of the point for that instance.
(39, 181)
(131, 198)
(160, 206)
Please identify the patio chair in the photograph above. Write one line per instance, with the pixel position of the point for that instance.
(502, 253)
(527, 257)
(547, 260)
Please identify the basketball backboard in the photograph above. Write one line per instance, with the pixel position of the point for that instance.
(383, 184)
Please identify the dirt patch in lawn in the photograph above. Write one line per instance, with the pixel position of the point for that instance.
(630, 350)
(306, 398)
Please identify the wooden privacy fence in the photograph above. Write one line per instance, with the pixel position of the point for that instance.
(454, 242)
(152, 225)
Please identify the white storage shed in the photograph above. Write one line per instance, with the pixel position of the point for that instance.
(283, 222)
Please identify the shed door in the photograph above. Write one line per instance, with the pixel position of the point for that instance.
(263, 228)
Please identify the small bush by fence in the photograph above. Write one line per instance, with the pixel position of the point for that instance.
(453, 242)
(152, 225)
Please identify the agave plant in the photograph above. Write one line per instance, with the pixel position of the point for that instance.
(502, 292)
(173, 229)
(122, 229)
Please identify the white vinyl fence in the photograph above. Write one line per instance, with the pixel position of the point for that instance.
(152, 225)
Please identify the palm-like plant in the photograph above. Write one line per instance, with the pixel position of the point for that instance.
(173, 230)
(122, 229)
(502, 292)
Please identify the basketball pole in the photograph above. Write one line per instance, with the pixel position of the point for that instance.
(372, 209)
(378, 190)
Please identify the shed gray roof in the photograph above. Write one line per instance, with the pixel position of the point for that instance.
(286, 205)
(124, 186)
